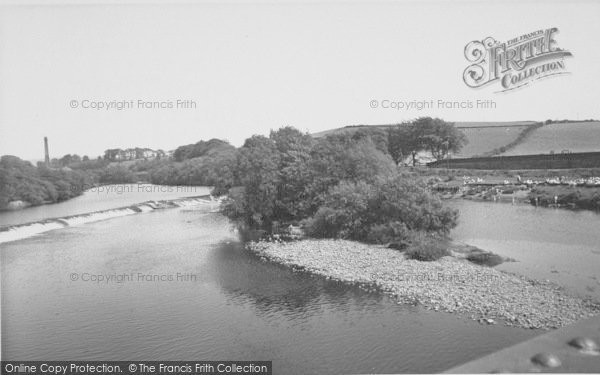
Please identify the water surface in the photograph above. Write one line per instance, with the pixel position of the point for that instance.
(101, 198)
(236, 307)
(548, 244)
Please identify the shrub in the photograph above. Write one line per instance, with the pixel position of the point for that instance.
(485, 259)
(345, 213)
(338, 187)
(116, 175)
(385, 211)
(394, 233)
(427, 247)
(326, 223)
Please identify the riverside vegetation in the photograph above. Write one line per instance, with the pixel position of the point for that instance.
(374, 224)
(340, 186)
(347, 191)
(206, 163)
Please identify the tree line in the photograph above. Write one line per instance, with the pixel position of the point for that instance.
(344, 185)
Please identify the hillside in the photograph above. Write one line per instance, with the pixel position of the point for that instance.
(347, 129)
(482, 140)
(483, 137)
(559, 137)
(490, 124)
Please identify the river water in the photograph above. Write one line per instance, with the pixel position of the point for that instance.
(175, 284)
(101, 198)
(553, 244)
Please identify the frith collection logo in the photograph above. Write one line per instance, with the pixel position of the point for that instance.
(514, 63)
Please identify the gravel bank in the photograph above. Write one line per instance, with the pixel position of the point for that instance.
(450, 284)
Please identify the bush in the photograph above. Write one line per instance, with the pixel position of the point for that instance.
(20, 180)
(345, 213)
(485, 259)
(394, 233)
(425, 247)
(116, 175)
(383, 212)
(326, 223)
(338, 186)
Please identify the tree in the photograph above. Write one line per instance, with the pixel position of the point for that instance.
(378, 136)
(440, 137)
(386, 210)
(257, 174)
(116, 175)
(198, 149)
(338, 158)
(294, 149)
(434, 135)
(20, 180)
(403, 141)
(284, 178)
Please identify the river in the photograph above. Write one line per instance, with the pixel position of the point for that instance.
(546, 243)
(101, 198)
(175, 284)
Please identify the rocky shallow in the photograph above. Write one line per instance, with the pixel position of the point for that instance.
(452, 285)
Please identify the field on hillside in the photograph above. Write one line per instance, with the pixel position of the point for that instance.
(487, 136)
(486, 139)
(483, 136)
(461, 125)
(347, 129)
(574, 137)
(478, 124)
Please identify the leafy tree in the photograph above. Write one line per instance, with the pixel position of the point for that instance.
(294, 149)
(424, 134)
(377, 135)
(198, 149)
(20, 180)
(257, 173)
(339, 158)
(116, 175)
(69, 159)
(439, 137)
(403, 141)
(286, 177)
(387, 210)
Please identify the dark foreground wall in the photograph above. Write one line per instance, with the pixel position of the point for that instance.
(542, 161)
(570, 349)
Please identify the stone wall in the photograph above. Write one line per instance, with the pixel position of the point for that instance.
(541, 161)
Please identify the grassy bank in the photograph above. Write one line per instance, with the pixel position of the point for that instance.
(565, 196)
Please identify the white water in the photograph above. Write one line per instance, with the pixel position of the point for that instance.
(22, 231)
(101, 198)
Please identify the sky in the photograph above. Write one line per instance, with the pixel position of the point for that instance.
(246, 67)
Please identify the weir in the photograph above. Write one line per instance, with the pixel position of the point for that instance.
(17, 232)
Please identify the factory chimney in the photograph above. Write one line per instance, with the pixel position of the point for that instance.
(46, 155)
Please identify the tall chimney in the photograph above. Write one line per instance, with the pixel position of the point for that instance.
(47, 155)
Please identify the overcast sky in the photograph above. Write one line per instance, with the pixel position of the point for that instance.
(255, 66)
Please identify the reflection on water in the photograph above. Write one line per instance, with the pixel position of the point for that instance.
(238, 307)
(554, 244)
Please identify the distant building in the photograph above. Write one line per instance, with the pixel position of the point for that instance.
(117, 154)
(149, 154)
